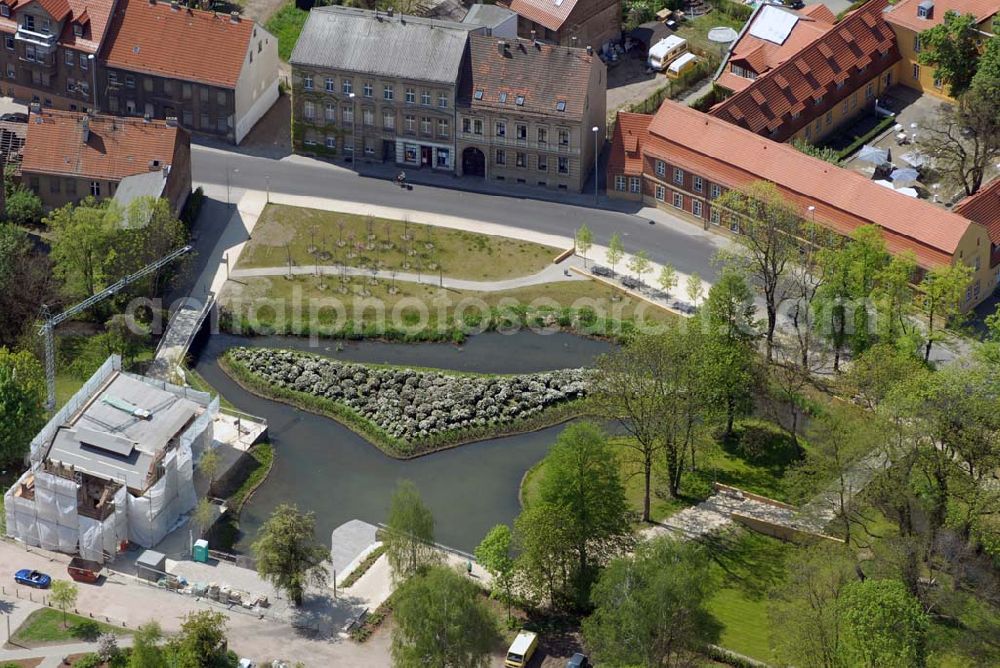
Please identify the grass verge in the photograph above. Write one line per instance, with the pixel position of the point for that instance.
(394, 447)
(310, 236)
(363, 567)
(46, 626)
(285, 25)
(197, 382)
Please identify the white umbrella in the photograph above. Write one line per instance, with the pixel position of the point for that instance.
(903, 177)
(873, 154)
(914, 158)
(909, 192)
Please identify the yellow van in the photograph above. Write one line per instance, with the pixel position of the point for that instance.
(521, 650)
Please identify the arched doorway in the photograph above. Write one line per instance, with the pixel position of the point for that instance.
(473, 162)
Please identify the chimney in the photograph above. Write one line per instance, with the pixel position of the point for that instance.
(171, 121)
(86, 129)
(234, 17)
(145, 119)
(501, 46)
(174, 5)
(572, 41)
(590, 50)
(533, 33)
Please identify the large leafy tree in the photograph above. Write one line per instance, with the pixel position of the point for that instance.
(884, 625)
(494, 554)
(201, 642)
(651, 609)
(409, 532)
(769, 229)
(952, 48)
(987, 78)
(288, 554)
(22, 403)
(805, 606)
(23, 207)
(83, 245)
(582, 479)
(545, 554)
(940, 299)
(25, 283)
(964, 140)
(147, 651)
(441, 620)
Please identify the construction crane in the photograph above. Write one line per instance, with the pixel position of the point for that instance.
(50, 322)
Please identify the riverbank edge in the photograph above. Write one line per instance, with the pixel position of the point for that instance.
(343, 415)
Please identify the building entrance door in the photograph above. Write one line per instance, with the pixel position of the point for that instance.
(426, 156)
(473, 162)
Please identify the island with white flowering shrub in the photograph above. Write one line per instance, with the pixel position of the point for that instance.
(406, 411)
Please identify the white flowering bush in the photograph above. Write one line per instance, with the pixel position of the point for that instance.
(411, 405)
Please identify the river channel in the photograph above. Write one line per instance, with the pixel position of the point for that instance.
(324, 467)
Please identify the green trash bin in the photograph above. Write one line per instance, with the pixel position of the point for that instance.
(201, 551)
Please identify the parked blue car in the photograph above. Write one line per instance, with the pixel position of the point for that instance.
(30, 578)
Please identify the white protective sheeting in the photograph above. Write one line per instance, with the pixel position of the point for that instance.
(91, 539)
(154, 515)
(56, 507)
(25, 525)
(41, 442)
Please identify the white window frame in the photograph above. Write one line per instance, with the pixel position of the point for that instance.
(698, 184)
(678, 176)
(696, 207)
(678, 200)
(660, 193)
(620, 182)
(661, 168)
(635, 185)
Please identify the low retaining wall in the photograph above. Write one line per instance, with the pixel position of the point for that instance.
(727, 489)
(781, 531)
(562, 256)
(630, 293)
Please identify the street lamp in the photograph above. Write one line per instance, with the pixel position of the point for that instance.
(267, 184)
(595, 130)
(235, 171)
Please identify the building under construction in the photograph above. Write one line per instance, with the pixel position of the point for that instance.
(115, 464)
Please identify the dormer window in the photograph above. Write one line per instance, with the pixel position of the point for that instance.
(29, 22)
(78, 30)
(925, 10)
(46, 26)
(5, 10)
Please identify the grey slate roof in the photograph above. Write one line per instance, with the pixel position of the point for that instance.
(407, 47)
(151, 183)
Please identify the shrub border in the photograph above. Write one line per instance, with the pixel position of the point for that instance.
(396, 448)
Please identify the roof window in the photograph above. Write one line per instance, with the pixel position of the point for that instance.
(561, 105)
(519, 100)
(502, 96)
(478, 94)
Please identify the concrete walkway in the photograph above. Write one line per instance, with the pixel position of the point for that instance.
(715, 513)
(552, 273)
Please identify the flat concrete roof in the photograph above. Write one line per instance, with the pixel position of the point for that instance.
(110, 441)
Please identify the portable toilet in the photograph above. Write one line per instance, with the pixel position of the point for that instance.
(664, 51)
(200, 552)
(683, 64)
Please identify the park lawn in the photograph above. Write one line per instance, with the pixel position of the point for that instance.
(45, 626)
(695, 30)
(746, 628)
(764, 475)
(283, 230)
(286, 24)
(298, 305)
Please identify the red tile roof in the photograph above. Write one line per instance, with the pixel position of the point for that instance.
(631, 130)
(762, 55)
(542, 75)
(904, 12)
(853, 52)
(549, 13)
(181, 43)
(984, 208)
(115, 148)
(93, 15)
(844, 200)
(57, 9)
(820, 12)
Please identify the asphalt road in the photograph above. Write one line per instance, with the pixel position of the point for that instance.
(685, 246)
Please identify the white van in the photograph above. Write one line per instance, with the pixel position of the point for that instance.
(521, 650)
(664, 51)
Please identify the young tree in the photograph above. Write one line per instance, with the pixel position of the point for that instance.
(805, 607)
(63, 596)
(494, 554)
(940, 299)
(695, 289)
(651, 609)
(964, 140)
(668, 278)
(883, 624)
(440, 620)
(769, 231)
(22, 403)
(23, 207)
(409, 532)
(208, 466)
(126, 337)
(146, 649)
(952, 48)
(201, 642)
(203, 516)
(582, 479)
(638, 264)
(584, 240)
(616, 251)
(288, 554)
